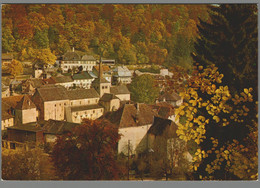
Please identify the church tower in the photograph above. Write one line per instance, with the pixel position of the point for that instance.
(100, 84)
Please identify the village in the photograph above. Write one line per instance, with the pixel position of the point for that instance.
(141, 92)
(38, 109)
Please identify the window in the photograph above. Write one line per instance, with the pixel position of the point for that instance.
(55, 105)
(93, 111)
(103, 87)
(88, 102)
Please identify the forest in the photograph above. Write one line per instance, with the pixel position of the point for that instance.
(131, 34)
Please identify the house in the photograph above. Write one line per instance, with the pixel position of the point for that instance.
(107, 72)
(121, 75)
(53, 128)
(65, 81)
(50, 101)
(30, 132)
(5, 91)
(82, 80)
(29, 85)
(163, 141)
(92, 111)
(133, 122)
(7, 116)
(83, 104)
(121, 92)
(7, 59)
(171, 98)
(165, 110)
(79, 97)
(73, 60)
(25, 111)
(110, 102)
(165, 72)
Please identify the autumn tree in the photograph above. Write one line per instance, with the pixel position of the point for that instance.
(88, 152)
(26, 165)
(143, 89)
(223, 124)
(15, 67)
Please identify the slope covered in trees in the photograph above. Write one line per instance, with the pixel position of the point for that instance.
(159, 34)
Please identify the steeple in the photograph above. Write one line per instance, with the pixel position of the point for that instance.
(100, 69)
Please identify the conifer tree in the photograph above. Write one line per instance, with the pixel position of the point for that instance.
(230, 42)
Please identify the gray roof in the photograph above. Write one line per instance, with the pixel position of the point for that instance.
(122, 71)
(108, 97)
(52, 93)
(88, 58)
(82, 76)
(117, 90)
(82, 94)
(58, 127)
(71, 56)
(85, 107)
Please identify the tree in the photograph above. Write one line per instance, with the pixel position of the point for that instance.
(143, 89)
(15, 67)
(88, 152)
(42, 56)
(26, 165)
(223, 124)
(230, 42)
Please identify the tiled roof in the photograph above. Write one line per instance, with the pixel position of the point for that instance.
(163, 109)
(35, 82)
(58, 127)
(121, 89)
(82, 94)
(160, 125)
(6, 114)
(25, 103)
(108, 97)
(52, 93)
(129, 116)
(30, 127)
(170, 97)
(85, 107)
(12, 101)
(82, 76)
(60, 79)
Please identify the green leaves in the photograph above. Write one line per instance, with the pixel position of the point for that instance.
(143, 89)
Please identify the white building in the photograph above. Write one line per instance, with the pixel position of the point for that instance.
(72, 60)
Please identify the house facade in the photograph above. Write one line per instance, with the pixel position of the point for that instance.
(73, 60)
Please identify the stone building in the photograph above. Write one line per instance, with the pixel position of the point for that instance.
(121, 92)
(110, 102)
(65, 81)
(25, 111)
(50, 101)
(121, 75)
(82, 80)
(133, 122)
